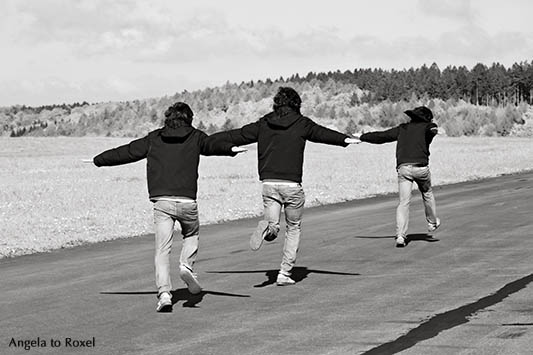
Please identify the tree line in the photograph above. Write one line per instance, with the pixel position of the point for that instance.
(482, 85)
(482, 101)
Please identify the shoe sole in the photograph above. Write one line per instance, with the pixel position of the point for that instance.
(164, 308)
(285, 283)
(191, 282)
(256, 240)
(290, 282)
(270, 237)
(401, 245)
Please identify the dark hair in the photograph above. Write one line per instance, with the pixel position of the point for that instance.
(178, 115)
(287, 96)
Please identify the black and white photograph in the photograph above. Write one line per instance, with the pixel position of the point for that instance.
(266, 178)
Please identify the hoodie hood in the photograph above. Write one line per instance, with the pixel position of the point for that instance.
(178, 132)
(420, 114)
(282, 117)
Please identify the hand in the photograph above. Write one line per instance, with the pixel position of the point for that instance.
(352, 141)
(238, 150)
(87, 161)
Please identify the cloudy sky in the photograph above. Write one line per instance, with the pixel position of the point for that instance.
(56, 51)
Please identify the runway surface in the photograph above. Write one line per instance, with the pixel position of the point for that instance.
(467, 289)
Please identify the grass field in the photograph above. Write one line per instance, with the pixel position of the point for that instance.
(49, 199)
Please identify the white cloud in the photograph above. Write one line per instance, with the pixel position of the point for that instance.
(456, 10)
(108, 50)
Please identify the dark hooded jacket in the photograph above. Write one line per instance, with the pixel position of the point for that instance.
(281, 136)
(413, 139)
(172, 154)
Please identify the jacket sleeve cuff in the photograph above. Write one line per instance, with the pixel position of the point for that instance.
(96, 161)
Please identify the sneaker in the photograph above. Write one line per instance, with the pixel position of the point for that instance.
(165, 302)
(400, 242)
(190, 280)
(284, 280)
(433, 226)
(258, 235)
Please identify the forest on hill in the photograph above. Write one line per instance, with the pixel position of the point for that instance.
(485, 100)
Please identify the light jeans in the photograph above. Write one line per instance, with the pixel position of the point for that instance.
(407, 174)
(292, 199)
(166, 213)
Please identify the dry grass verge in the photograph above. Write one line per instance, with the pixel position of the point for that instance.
(50, 200)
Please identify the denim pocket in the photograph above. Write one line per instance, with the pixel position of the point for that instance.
(188, 219)
(165, 206)
(294, 196)
(422, 172)
(189, 209)
(404, 173)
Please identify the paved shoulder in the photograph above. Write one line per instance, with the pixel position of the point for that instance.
(466, 288)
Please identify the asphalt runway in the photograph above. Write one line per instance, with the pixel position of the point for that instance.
(467, 289)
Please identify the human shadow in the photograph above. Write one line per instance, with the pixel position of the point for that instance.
(180, 294)
(183, 294)
(424, 237)
(421, 237)
(298, 274)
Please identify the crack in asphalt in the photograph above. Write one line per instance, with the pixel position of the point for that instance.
(447, 320)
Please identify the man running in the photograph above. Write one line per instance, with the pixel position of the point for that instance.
(172, 154)
(412, 165)
(281, 136)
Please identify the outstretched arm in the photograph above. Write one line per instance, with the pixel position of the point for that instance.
(241, 136)
(380, 137)
(431, 132)
(211, 146)
(129, 153)
(320, 134)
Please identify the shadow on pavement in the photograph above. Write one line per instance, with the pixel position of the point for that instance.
(409, 238)
(451, 319)
(421, 237)
(180, 294)
(298, 274)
